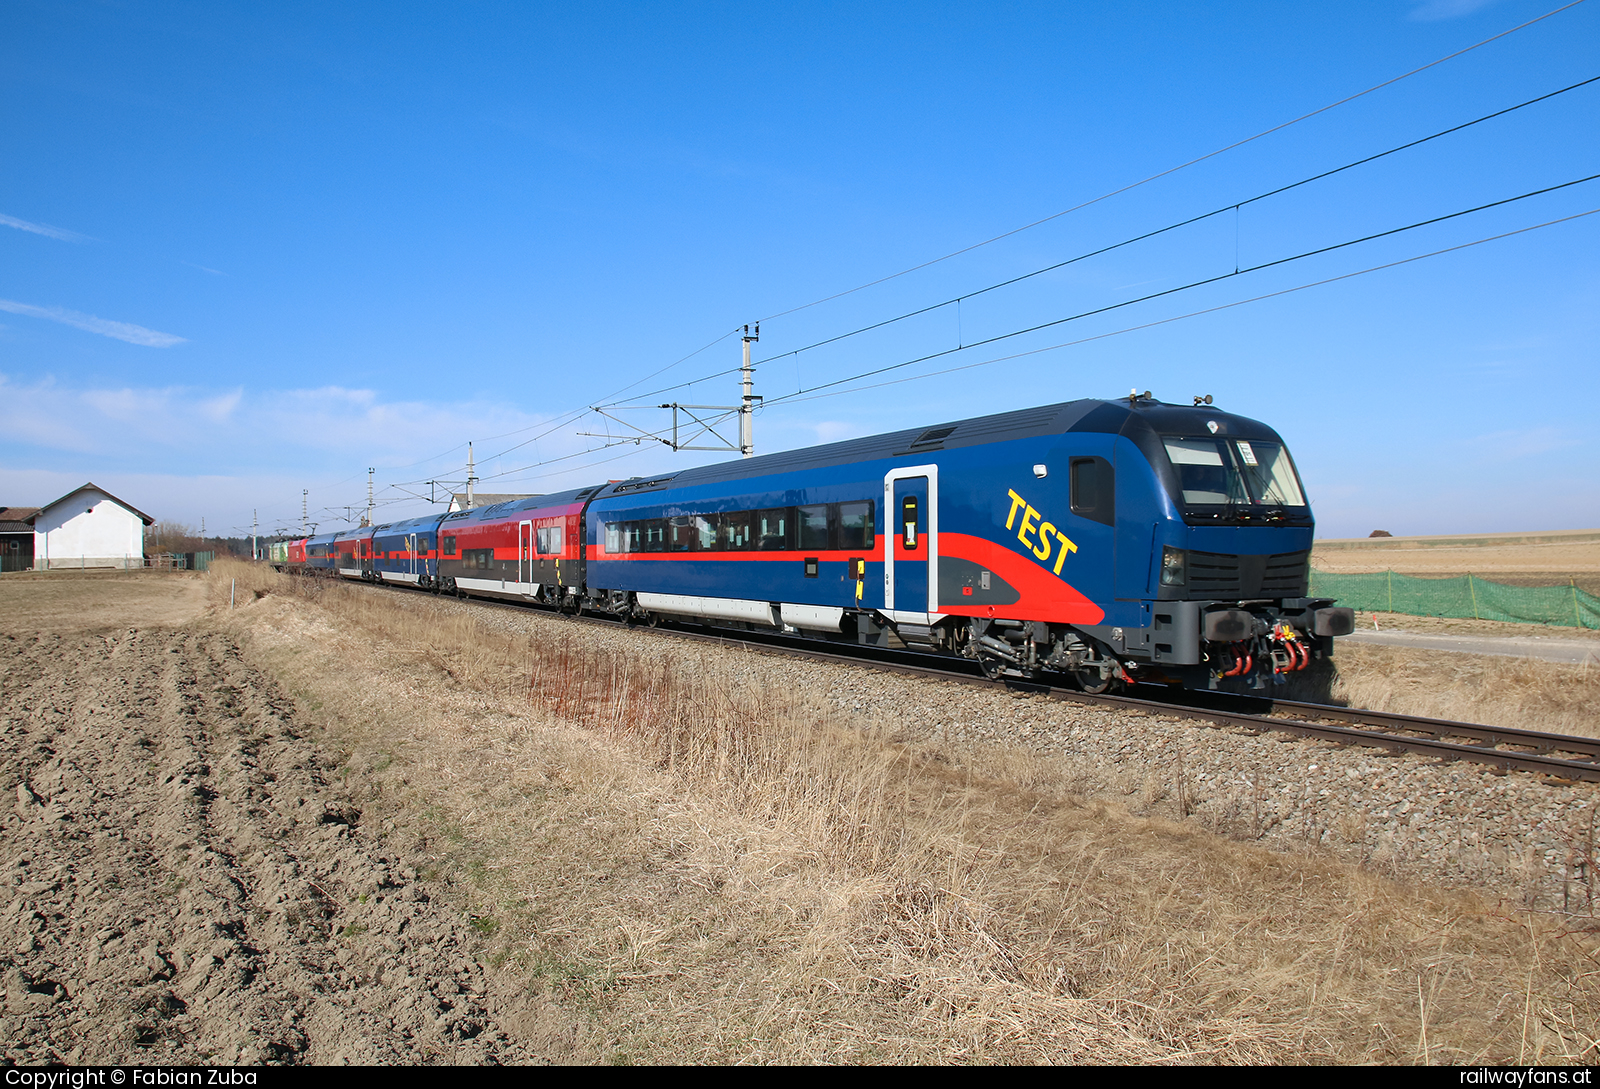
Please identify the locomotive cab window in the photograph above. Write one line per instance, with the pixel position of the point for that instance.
(1268, 473)
(1093, 486)
(1234, 472)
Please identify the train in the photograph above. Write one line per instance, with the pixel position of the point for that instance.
(1110, 542)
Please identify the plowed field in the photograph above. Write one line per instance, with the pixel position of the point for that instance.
(182, 869)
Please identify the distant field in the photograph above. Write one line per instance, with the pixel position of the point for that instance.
(1517, 559)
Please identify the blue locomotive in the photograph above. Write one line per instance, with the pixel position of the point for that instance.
(1112, 541)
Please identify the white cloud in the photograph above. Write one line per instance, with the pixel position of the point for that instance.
(183, 452)
(218, 409)
(1431, 10)
(120, 330)
(276, 428)
(44, 229)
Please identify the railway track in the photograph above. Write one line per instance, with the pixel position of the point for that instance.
(1559, 756)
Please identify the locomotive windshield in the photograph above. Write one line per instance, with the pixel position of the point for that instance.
(1234, 472)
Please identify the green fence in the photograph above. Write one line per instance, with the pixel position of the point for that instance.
(1463, 596)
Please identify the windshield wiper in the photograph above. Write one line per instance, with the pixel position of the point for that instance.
(1232, 513)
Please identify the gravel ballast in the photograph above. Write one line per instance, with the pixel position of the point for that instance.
(1515, 837)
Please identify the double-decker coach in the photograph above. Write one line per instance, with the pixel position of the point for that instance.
(523, 549)
(1114, 540)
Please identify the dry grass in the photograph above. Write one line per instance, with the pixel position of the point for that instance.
(62, 601)
(1522, 692)
(702, 866)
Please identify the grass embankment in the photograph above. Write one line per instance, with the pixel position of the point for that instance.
(1527, 693)
(702, 866)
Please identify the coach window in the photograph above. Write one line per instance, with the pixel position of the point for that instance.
(702, 532)
(772, 530)
(682, 535)
(655, 536)
(1094, 489)
(549, 540)
(812, 523)
(449, 546)
(733, 531)
(855, 526)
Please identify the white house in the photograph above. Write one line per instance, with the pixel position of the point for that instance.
(88, 527)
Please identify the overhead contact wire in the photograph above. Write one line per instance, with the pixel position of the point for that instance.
(1183, 287)
(796, 398)
(1232, 207)
(1173, 169)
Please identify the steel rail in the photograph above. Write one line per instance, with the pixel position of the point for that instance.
(1529, 750)
(1392, 731)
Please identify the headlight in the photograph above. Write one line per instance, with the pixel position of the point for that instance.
(1173, 561)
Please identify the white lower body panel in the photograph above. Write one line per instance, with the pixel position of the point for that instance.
(812, 617)
(712, 608)
(499, 587)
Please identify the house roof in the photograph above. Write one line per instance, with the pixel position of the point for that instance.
(91, 486)
(16, 519)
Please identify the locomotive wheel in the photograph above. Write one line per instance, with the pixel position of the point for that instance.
(1093, 681)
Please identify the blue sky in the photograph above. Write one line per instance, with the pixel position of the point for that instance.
(247, 250)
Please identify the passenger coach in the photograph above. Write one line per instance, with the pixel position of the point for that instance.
(1110, 540)
(1114, 540)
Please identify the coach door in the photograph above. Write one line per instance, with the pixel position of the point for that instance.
(911, 543)
(525, 557)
